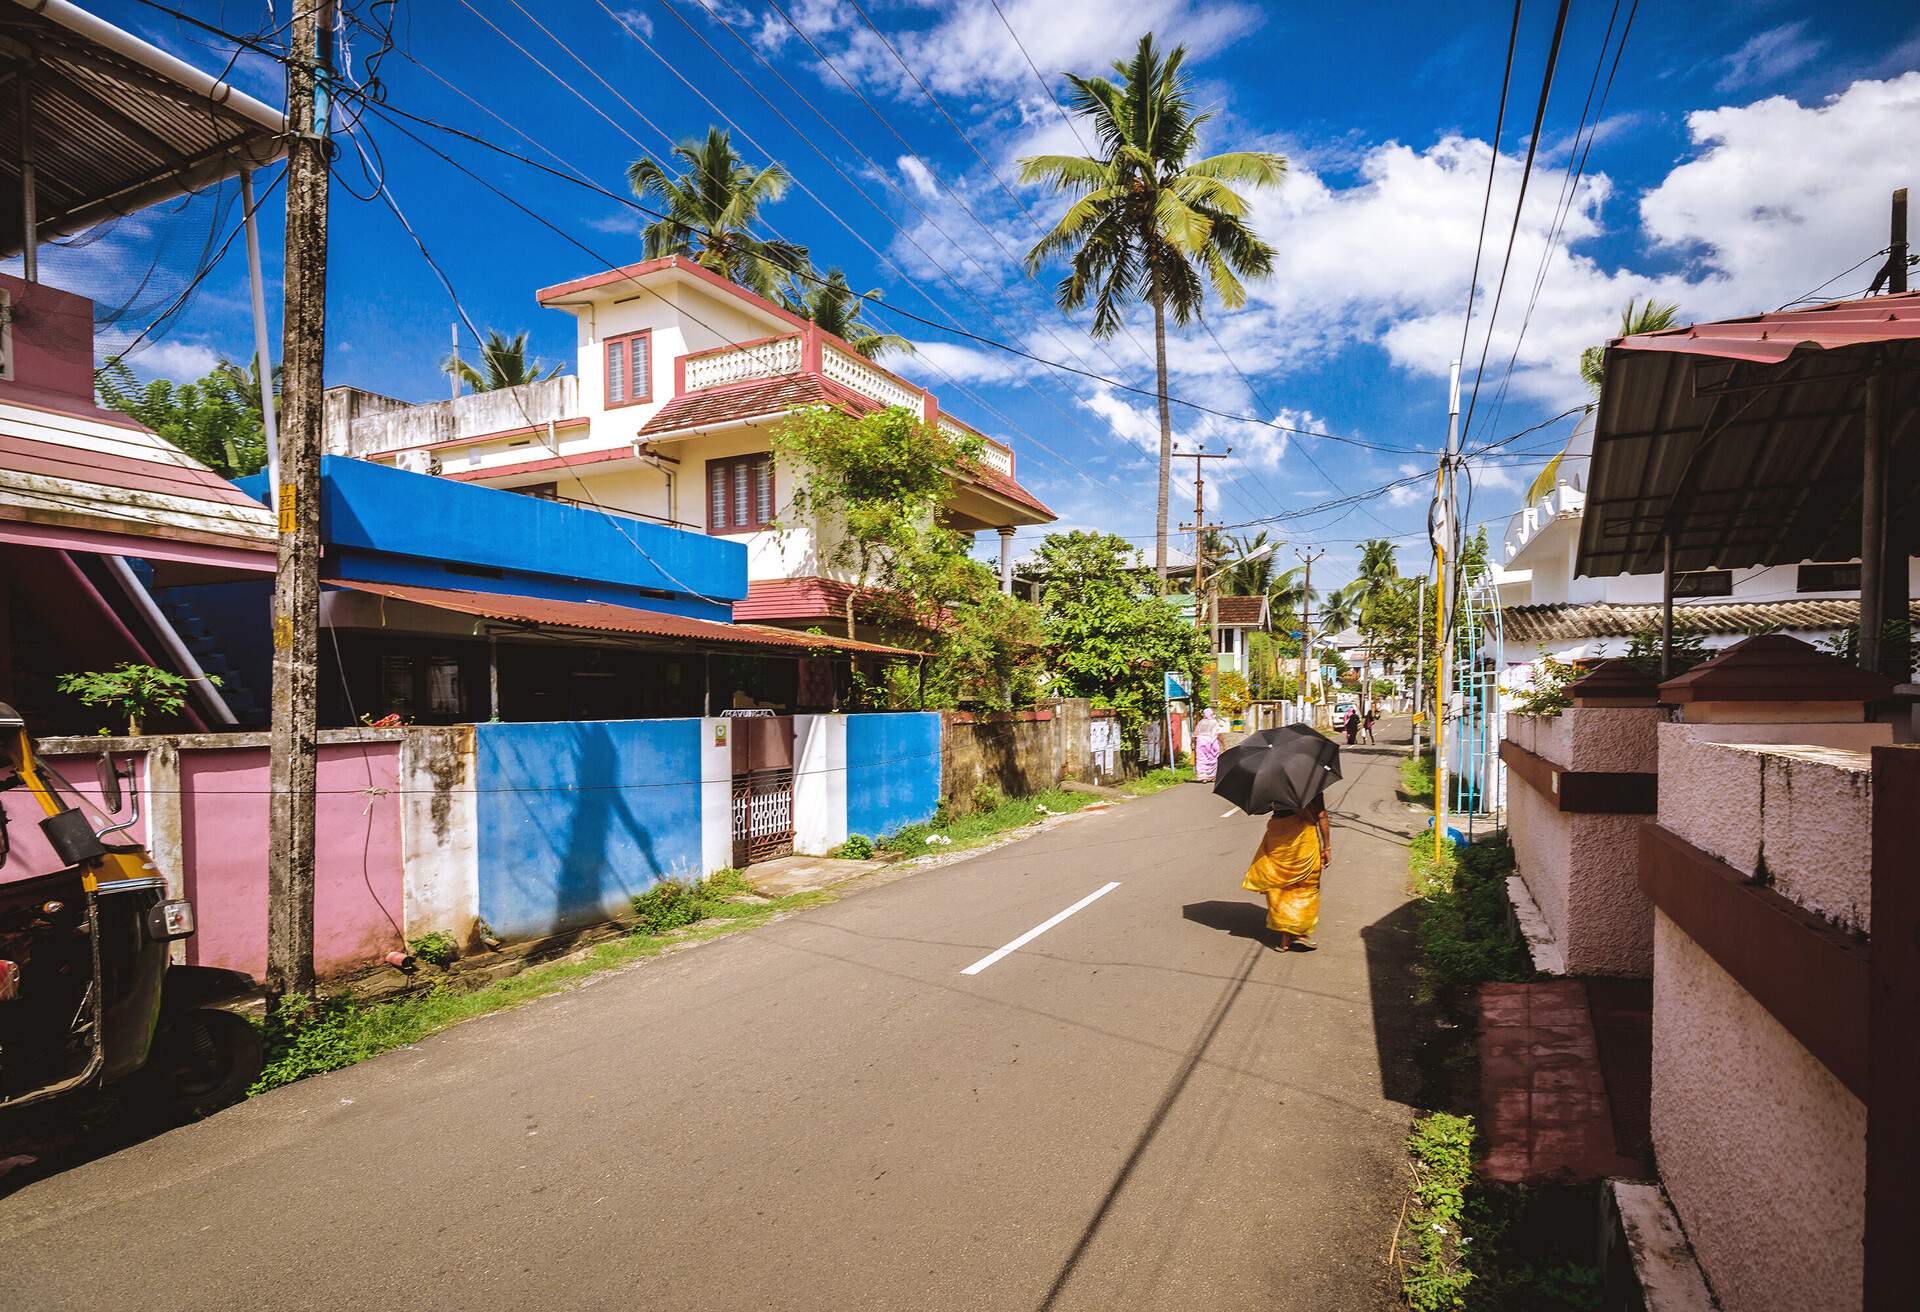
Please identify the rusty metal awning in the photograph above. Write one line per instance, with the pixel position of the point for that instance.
(1743, 439)
(606, 617)
(115, 124)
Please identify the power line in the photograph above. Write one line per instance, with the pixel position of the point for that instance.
(1519, 205)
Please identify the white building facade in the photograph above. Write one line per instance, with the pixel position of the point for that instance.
(681, 377)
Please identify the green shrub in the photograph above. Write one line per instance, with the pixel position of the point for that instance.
(1463, 933)
(436, 949)
(858, 847)
(668, 904)
(988, 797)
(1437, 1275)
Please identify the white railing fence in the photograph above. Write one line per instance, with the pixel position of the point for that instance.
(850, 370)
(768, 359)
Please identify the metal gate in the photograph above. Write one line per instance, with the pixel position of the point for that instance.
(762, 788)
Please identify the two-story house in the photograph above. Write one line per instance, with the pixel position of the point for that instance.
(681, 377)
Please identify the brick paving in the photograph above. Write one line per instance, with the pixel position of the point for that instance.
(1545, 1110)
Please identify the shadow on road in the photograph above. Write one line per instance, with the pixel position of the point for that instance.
(1401, 1022)
(1240, 919)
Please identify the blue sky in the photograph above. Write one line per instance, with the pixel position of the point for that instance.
(1744, 155)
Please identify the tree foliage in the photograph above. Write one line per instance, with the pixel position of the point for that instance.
(713, 198)
(1109, 638)
(835, 307)
(209, 420)
(503, 363)
(873, 487)
(133, 690)
(1653, 317)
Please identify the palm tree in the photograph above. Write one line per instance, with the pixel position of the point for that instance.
(710, 207)
(835, 307)
(503, 363)
(1379, 576)
(243, 380)
(1653, 317)
(1250, 577)
(1148, 220)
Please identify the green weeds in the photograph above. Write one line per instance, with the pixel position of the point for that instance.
(436, 949)
(308, 1037)
(1158, 781)
(977, 827)
(1416, 779)
(858, 847)
(1463, 933)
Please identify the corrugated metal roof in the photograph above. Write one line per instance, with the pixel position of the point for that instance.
(609, 618)
(1571, 621)
(1743, 439)
(117, 124)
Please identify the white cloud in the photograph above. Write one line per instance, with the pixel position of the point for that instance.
(637, 20)
(1402, 494)
(967, 55)
(917, 174)
(933, 361)
(182, 361)
(1771, 54)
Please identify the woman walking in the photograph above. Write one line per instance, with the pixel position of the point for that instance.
(1206, 745)
(1352, 726)
(1294, 850)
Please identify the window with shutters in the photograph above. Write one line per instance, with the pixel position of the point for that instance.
(629, 369)
(740, 494)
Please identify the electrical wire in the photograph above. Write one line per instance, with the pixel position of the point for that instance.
(1519, 206)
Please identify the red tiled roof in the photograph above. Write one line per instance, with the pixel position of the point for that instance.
(994, 481)
(1240, 612)
(763, 397)
(610, 618)
(793, 599)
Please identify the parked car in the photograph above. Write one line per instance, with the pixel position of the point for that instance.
(88, 995)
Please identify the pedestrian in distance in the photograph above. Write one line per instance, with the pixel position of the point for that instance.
(1206, 745)
(1367, 723)
(1295, 848)
(1352, 726)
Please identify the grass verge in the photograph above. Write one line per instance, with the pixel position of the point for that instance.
(1467, 1243)
(1158, 781)
(1416, 779)
(306, 1037)
(948, 833)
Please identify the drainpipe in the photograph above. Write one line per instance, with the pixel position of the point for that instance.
(143, 600)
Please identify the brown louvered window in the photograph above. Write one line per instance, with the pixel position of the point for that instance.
(629, 369)
(740, 494)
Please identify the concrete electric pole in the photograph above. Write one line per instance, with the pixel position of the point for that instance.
(296, 589)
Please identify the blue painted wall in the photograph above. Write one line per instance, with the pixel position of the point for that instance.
(893, 771)
(576, 818)
(383, 524)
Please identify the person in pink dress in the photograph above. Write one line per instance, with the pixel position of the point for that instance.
(1206, 745)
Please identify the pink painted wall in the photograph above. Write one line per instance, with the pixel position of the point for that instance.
(358, 875)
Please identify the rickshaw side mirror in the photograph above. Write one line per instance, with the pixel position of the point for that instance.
(109, 777)
(72, 837)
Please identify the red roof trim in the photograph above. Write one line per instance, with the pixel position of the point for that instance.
(1772, 338)
(542, 466)
(607, 617)
(29, 455)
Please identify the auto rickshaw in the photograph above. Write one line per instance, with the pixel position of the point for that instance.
(88, 995)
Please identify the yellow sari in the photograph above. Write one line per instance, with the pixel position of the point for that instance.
(1287, 870)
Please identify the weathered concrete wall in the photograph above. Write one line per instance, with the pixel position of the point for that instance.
(819, 782)
(1582, 870)
(439, 832)
(1015, 754)
(892, 765)
(205, 799)
(1762, 1150)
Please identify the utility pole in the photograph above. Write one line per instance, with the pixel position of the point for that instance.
(1306, 613)
(296, 589)
(1419, 659)
(1200, 529)
(1443, 622)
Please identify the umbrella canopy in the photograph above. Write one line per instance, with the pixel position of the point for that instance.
(1281, 771)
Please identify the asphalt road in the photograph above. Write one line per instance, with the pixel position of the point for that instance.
(1144, 1107)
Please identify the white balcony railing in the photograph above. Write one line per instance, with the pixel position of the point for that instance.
(850, 370)
(768, 359)
(993, 455)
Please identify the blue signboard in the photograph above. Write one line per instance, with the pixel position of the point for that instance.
(1177, 690)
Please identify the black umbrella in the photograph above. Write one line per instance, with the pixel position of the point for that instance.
(1277, 770)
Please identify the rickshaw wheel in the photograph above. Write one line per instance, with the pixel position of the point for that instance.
(209, 1059)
